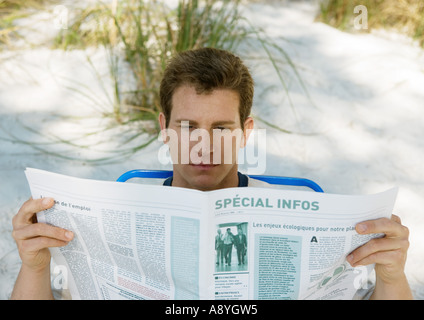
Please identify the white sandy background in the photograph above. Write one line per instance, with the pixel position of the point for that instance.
(366, 119)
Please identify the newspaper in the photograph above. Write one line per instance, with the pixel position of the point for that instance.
(136, 241)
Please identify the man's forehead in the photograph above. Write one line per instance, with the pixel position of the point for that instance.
(220, 105)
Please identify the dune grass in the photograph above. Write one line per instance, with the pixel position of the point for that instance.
(145, 34)
(11, 10)
(406, 16)
(139, 37)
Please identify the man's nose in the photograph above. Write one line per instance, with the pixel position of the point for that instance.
(202, 147)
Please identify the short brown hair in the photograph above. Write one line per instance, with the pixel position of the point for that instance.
(207, 69)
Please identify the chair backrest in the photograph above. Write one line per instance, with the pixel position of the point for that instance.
(163, 174)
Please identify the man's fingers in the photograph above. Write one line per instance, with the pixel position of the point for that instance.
(387, 258)
(371, 248)
(393, 245)
(39, 243)
(41, 229)
(396, 219)
(29, 208)
(389, 227)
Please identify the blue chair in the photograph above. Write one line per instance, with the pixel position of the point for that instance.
(163, 174)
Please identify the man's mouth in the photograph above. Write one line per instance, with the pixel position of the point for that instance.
(204, 166)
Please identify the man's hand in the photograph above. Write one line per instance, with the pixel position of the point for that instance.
(33, 239)
(389, 255)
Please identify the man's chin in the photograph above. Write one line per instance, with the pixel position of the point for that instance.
(204, 177)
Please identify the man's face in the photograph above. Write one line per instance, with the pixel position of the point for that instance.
(205, 136)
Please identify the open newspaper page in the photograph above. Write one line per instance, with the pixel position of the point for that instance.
(131, 241)
(135, 241)
(278, 244)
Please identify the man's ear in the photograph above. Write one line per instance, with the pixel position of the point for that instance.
(248, 127)
(162, 123)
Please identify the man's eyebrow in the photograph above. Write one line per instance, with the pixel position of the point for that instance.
(185, 120)
(224, 122)
(219, 122)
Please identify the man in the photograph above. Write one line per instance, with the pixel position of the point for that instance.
(219, 247)
(240, 243)
(228, 246)
(209, 90)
